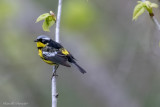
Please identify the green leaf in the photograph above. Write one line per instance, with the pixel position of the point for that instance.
(48, 22)
(42, 17)
(153, 5)
(141, 7)
(45, 26)
(149, 6)
(138, 10)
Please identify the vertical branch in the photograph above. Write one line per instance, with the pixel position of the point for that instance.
(156, 22)
(54, 93)
(58, 21)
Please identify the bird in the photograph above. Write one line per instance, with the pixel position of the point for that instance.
(53, 53)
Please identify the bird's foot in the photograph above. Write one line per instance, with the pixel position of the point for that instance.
(54, 75)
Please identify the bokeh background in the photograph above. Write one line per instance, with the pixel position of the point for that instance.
(121, 56)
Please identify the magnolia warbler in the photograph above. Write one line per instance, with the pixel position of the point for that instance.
(54, 53)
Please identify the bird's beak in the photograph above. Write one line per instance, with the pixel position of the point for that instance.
(35, 40)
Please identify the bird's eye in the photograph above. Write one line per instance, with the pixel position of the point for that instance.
(40, 40)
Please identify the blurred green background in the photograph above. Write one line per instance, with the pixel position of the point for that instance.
(121, 57)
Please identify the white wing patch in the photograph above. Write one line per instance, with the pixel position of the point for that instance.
(50, 54)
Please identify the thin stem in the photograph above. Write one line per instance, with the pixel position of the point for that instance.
(54, 93)
(58, 21)
(156, 22)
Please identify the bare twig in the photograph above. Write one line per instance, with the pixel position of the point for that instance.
(156, 22)
(58, 21)
(54, 93)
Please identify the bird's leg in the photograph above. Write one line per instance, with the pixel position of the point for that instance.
(54, 73)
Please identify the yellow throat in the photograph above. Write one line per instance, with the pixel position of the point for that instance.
(40, 44)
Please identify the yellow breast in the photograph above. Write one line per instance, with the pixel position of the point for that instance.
(49, 62)
(41, 55)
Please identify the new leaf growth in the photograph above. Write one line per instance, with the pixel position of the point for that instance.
(49, 20)
(141, 7)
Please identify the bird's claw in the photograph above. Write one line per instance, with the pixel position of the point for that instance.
(54, 75)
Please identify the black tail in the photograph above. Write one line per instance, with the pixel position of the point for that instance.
(80, 68)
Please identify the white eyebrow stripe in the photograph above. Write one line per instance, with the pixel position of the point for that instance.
(49, 54)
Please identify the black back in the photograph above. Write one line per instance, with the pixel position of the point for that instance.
(54, 44)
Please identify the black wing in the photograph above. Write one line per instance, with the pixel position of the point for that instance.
(55, 45)
(56, 57)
